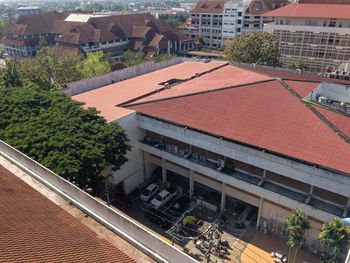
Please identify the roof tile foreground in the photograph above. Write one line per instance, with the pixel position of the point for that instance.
(33, 229)
(106, 98)
(264, 115)
(297, 10)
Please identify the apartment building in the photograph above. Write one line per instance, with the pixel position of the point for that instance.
(82, 33)
(314, 35)
(265, 137)
(217, 22)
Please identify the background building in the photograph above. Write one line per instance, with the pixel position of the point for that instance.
(312, 34)
(28, 10)
(81, 33)
(216, 22)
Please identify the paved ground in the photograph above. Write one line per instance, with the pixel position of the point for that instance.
(261, 245)
(99, 229)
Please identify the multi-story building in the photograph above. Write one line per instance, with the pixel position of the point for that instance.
(217, 22)
(226, 134)
(312, 34)
(81, 33)
(28, 10)
(253, 17)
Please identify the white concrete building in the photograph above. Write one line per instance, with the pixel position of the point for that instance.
(229, 135)
(313, 36)
(217, 22)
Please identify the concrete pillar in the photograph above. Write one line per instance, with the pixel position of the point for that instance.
(311, 189)
(191, 184)
(163, 172)
(264, 173)
(147, 168)
(261, 201)
(223, 197)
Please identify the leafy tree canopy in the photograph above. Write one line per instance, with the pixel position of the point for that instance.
(50, 70)
(335, 235)
(94, 65)
(133, 58)
(297, 226)
(257, 47)
(55, 131)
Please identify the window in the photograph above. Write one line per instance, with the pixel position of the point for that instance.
(239, 13)
(332, 23)
(311, 22)
(239, 22)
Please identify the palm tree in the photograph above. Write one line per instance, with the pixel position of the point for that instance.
(297, 226)
(335, 235)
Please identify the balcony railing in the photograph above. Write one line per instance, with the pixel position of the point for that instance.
(220, 165)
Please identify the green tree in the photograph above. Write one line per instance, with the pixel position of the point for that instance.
(133, 58)
(57, 132)
(49, 70)
(10, 74)
(297, 226)
(335, 235)
(257, 47)
(189, 221)
(163, 57)
(93, 65)
(4, 25)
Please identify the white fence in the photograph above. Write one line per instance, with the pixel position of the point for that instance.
(84, 85)
(131, 231)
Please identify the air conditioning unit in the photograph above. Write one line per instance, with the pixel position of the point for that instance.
(322, 99)
(298, 71)
(167, 85)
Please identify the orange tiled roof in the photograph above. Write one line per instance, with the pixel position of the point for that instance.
(297, 10)
(33, 229)
(106, 98)
(264, 115)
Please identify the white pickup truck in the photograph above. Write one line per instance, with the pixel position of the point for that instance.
(163, 197)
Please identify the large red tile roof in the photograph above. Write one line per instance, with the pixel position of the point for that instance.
(297, 10)
(341, 121)
(264, 115)
(287, 74)
(33, 229)
(302, 88)
(223, 77)
(106, 98)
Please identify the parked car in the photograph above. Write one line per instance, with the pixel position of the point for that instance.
(122, 201)
(149, 192)
(162, 198)
(180, 206)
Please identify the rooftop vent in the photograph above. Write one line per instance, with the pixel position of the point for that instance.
(197, 74)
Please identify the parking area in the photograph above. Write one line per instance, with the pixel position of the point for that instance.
(193, 225)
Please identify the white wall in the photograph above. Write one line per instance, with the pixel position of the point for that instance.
(132, 172)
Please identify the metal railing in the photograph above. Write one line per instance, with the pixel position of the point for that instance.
(119, 223)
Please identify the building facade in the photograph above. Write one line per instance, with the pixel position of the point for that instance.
(312, 36)
(217, 22)
(249, 140)
(82, 33)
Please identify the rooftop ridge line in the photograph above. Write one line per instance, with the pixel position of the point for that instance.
(125, 103)
(315, 112)
(201, 92)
